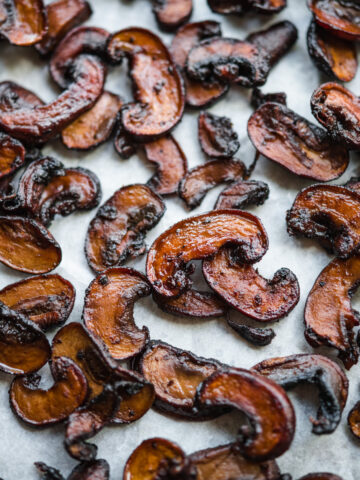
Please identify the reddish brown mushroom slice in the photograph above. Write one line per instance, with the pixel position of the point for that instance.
(94, 470)
(238, 7)
(244, 289)
(40, 407)
(158, 87)
(197, 238)
(336, 57)
(46, 300)
(313, 369)
(354, 420)
(242, 194)
(198, 94)
(117, 232)
(124, 145)
(22, 22)
(321, 476)
(171, 164)
(170, 14)
(286, 138)
(217, 136)
(94, 126)
(265, 403)
(24, 347)
(257, 336)
(340, 17)
(27, 246)
(329, 214)
(338, 110)
(62, 16)
(12, 155)
(258, 98)
(199, 180)
(14, 97)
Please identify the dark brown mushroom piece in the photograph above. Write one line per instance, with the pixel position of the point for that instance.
(354, 420)
(286, 138)
(341, 17)
(258, 98)
(13, 97)
(313, 369)
(256, 336)
(216, 136)
(329, 214)
(242, 194)
(321, 476)
(118, 230)
(22, 22)
(329, 317)
(46, 300)
(335, 57)
(95, 470)
(48, 473)
(198, 94)
(24, 347)
(12, 155)
(170, 14)
(199, 180)
(158, 86)
(62, 16)
(124, 145)
(39, 407)
(239, 7)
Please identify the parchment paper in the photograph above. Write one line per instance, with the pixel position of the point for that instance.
(338, 453)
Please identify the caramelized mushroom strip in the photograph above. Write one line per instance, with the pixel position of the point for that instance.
(22, 22)
(321, 476)
(354, 420)
(257, 336)
(217, 136)
(95, 470)
(242, 194)
(170, 14)
(239, 7)
(341, 17)
(12, 155)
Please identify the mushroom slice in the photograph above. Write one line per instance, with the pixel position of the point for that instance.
(265, 403)
(47, 473)
(12, 155)
(46, 300)
(40, 407)
(242, 287)
(258, 98)
(62, 16)
(198, 94)
(170, 14)
(95, 470)
(123, 144)
(109, 311)
(118, 230)
(27, 246)
(339, 16)
(328, 213)
(176, 374)
(200, 237)
(338, 110)
(321, 476)
(94, 126)
(242, 194)
(158, 87)
(217, 136)
(238, 7)
(329, 318)
(24, 347)
(40, 124)
(317, 369)
(14, 97)
(199, 180)
(286, 138)
(257, 336)
(354, 420)
(171, 164)
(22, 22)
(336, 57)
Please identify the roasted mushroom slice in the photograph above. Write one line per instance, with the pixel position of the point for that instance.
(286, 138)
(306, 368)
(176, 374)
(200, 237)
(198, 94)
(242, 194)
(341, 17)
(48, 473)
(258, 98)
(338, 110)
(265, 403)
(124, 145)
(242, 287)
(45, 407)
(217, 136)
(95, 470)
(158, 87)
(22, 22)
(27, 246)
(336, 57)
(171, 164)
(117, 232)
(170, 14)
(46, 300)
(330, 214)
(199, 180)
(12, 155)
(109, 311)
(238, 7)
(62, 16)
(24, 347)
(329, 318)
(354, 420)
(14, 97)
(321, 476)
(257, 336)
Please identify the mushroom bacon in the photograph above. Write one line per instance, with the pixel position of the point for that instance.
(321, 476)
(217, 136)
(257, 336)
(242, 194)
(170, 14)
(340, 17)
(239, 7)
(22, 22)
(96, 469)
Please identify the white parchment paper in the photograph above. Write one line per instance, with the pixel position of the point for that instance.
(338, 453)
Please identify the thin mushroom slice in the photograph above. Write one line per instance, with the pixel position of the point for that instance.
(244, 289)
(39, 407)
(118, 230)
(239, 7)
(242, 194)
(258, 98)
(353, 420)
(48, 473)
(329, 214)
(46, 300)
(170, 14)
(12, 155)
(286, 138)
(340, 17)
(217, 136)
(199, 180)
(124, 145)
(257, 336)
(24, 347)
(22, 22)
(314, 369)
(158, 86)
(265, 403)
(95, 470)
(321, 476)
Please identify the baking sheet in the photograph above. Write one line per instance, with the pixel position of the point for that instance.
(338, 453)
